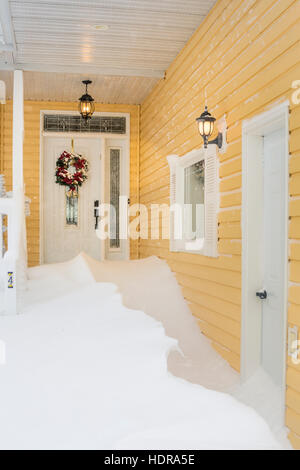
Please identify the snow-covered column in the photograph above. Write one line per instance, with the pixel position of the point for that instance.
(15, 260)
(2, 92)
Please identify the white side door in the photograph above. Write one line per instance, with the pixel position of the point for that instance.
(63, 241)
(274, 256)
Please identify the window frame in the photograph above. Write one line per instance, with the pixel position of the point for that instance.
(211, 201)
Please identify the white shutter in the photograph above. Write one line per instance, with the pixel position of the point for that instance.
(173, 160)
(211, 202)
(173, 185)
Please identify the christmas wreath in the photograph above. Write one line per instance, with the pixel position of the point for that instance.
(71, 170)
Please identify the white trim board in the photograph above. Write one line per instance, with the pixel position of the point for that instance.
(82, 69)
(253, 132)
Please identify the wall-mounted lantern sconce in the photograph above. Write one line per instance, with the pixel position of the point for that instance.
(206, 123)
(86, 105)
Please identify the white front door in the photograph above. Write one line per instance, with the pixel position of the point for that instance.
(274, 255)
(66, 230)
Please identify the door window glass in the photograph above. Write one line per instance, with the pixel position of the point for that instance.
(115, 198)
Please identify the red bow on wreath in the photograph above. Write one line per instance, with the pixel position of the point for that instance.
(73, 179)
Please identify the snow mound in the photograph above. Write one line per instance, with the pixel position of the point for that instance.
(85, 372)
(150, 286)
(75, 271)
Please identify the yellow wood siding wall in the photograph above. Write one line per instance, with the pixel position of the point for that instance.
(243, 59)
(32, 159)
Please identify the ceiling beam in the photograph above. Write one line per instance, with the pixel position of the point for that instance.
(85, 70)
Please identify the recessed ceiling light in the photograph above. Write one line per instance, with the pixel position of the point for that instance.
(100, 27)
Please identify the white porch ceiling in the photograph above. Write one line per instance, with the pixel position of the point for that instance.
(58, 38)
(44, 86)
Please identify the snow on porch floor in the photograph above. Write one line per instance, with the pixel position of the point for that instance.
(87, 368)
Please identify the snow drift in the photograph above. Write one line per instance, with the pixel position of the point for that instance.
(83, 371)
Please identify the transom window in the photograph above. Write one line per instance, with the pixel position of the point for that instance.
(74, 123)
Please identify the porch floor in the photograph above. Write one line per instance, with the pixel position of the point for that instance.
(97, 361)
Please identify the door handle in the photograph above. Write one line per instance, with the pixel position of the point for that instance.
(262, 294)
(96, 213)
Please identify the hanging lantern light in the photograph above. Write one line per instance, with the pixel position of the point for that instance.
(86, 105)
(206, 123)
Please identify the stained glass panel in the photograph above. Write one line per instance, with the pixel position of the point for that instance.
(71, 209)
(114, 198)
(74, 123)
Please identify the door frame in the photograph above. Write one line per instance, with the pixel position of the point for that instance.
(90, 135)
(253, 132)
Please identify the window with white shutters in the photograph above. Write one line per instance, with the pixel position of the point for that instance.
(194, 201)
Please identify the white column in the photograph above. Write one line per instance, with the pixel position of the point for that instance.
(2, 92)
(18, 130)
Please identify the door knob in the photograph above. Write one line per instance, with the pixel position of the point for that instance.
(262, 294)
